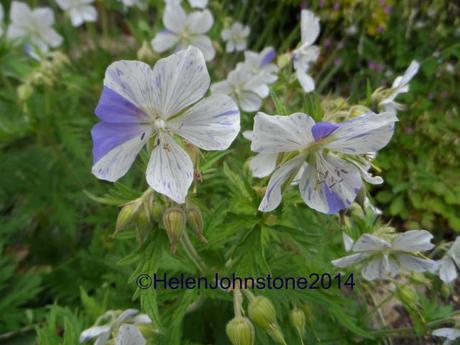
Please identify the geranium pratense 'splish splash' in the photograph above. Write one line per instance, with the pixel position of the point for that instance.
(331, 155)
(447, 266)
(385, 258)
(261, 65)
(400, 85)
(307, 53)
(451, 335)
(33, 26)
(236, 37)
(139, 103)
(80, 11)
(184, 29)
(125, 324)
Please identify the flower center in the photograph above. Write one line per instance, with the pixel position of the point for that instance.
(159, 124)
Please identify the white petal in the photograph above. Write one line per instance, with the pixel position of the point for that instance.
(454, 251)
(447, 270)
(415, 264)
(449, 333)
(329, 184)
(164, 40)
(181, 79)
(211, 124)
(170, 169)
(129, 335)
(19, 11)
(141, 318)
(174, 17)
(347, 242)
(126, 314)
(76, 17)
(223, 87)
(275, 133)
(93, 332)
(375, 269)
(200, 22)
(413, 241)
(249, 135)
(307, 82)
(51, 37)
(350, 260)
(367, 133)
(369, 242)
(44, 16)
(263, 164)
(272, 197)
(249, 101)
(204, 43)
(309, 26)
(411, 71)
(103, 338)
(198, 3)
(89, 13)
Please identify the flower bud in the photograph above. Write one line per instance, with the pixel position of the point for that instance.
(297, 317)
(145, 53)
(262, 312)
(195, 221)
(240, 331)
(174, 223)
(308, 313)
(126, 215)
(156, 210)
(276, 334)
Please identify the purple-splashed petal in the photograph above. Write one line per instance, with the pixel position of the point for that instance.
(106, 136)
(323, 129)
(114, 108)
(269, 57)
(333, 200)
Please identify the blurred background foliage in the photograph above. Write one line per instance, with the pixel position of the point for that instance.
(56, 243)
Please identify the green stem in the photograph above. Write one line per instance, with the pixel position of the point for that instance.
(192, 253)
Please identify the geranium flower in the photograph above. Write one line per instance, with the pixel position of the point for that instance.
(260, 64)
(80, 11)
(236, 37)
(184, 29)
(451, 334)
(307, 53)
(139, 103)
(384, 259)
(400, 85)
(246, 89)
(33, 26)
(112, 320)
(447, 266)
(332, 155)
(198, 3)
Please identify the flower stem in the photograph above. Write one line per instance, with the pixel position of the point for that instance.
(192, 253)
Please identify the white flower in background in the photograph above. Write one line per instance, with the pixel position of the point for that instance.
(139, 103)
(447, 266)
(198, 3)
(384, 259)
(33, 26)
(1, 20)
(236, 37)
(112, 320)
(400, 85)
(330, 154)
(184, 29)
(246, 89)
(131, 3)
(451, 334)
(80, 11)
(260, 64)
(307, 53)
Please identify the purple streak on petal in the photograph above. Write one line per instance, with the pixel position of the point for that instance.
(106, 136)
(269, 57)
(323, 129)
(333, 200)
(114, 108)
(228, 112)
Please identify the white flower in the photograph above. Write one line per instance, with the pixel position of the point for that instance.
(80, 11)
(139, 103)
(451, 334)
(112, 320)
(33, 26)
(184, 29)
(138, 3)
(1, 20)
(307, 53)
(246, 89)
(385, 259)
(236, 37)
(330, 154)
(198, 3)
(400, 85)
(260, 64)
(129, 335)
(447, 265)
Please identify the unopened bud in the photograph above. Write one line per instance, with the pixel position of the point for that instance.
(276, 334)
(126, 215)
(408, 295)
(156, 210)
(262, 312)
(195, 221)
(297, 317)
(174, 223)
(145, 53)
(308, 313)
(240, 331)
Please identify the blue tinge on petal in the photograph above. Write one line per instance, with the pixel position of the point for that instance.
(323, 129)
(268, 57)
(333, 200)
(106, 136)
(115, 108)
